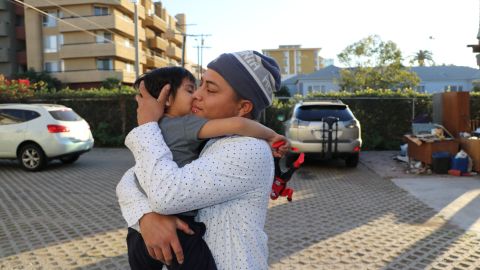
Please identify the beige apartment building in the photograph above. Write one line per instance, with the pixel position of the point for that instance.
(83, 42)
(12, 38)
(294, 60)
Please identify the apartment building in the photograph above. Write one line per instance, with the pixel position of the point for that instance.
(294, 60)
(12, 38)
(83, 42)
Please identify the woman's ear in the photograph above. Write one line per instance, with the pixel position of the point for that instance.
(245, 107)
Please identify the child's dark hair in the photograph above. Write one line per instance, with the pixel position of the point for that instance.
(156, 79)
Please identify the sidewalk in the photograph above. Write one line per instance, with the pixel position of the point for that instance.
(456, 199)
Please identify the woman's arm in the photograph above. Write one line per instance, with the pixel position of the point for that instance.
(228, 169)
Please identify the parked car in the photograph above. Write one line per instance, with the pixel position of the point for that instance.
(37, 133)
(327, 128)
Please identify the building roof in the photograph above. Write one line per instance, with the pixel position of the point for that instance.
(293, 79)
(446, 73)
(433, 73)
(328, 73)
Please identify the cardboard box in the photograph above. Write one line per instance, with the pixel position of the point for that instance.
(472, 147)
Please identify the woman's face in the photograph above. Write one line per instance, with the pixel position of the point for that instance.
(215, 98)
(182, 103)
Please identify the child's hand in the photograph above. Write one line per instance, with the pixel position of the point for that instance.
(282, 150)
(150, 109)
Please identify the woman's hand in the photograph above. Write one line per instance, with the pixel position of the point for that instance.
(151, 109)
(282, 150)
(160, 235)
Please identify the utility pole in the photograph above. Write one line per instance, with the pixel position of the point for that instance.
(135, 22)
(200, 53)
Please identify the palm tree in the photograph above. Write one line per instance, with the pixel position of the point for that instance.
(422, 56)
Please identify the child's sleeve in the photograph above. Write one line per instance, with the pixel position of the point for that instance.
(192, 125)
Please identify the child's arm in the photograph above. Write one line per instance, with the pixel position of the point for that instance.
(244, 127)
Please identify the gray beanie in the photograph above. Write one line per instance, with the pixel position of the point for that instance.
(252, 75)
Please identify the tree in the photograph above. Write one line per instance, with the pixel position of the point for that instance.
(373, 63)
(283, 92)
(421, 57)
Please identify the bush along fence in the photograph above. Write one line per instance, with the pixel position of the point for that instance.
(385, 115)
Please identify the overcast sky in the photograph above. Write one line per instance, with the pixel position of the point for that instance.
(444, 27)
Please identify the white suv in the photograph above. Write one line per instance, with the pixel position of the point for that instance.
(327, 128)
(37, 133)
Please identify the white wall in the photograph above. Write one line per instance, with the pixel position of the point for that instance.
(439, 86)
(319, 86)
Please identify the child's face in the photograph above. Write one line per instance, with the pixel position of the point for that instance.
(182, 103)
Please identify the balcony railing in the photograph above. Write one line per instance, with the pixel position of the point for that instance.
(174, 36)
(4, 55)
(113, 22)
(20, 32)
(93, 75)
(155, 22)
(174, 52)
(22, 58)
(158, 43)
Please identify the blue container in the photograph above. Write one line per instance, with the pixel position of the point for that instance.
(460, 164)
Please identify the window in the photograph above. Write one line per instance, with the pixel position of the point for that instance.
(65, 115)
(103, 37)
(50, 20)
(421, 88)
(128, 43)
(52, 66)
(285, 54)
(15, 116)
(100, 11)
(317, 112)
(285, 69)
(129, 67)
(104, 64)
(51, 43)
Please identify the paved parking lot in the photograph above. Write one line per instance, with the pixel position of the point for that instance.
(67, 217)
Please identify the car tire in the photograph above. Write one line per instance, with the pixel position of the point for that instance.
(352, 160)
(31, 157)
(69, 159)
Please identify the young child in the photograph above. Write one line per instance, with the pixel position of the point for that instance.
(185, 135)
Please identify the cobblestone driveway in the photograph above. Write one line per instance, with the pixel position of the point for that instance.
(67, 217)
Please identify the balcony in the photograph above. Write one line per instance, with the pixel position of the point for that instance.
(85, 50)
(174, 36)
(154, 61)
(20, 32)
(19, 10)
(88, 50)
(158, 43)
(113, 22)
(93, 75)
(4, 55)
(174, 52)
(123, 5)
(3, 29)
(156, 23)
(22, 58)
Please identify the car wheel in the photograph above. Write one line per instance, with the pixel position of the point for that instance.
(352, 160)
(69, 159)
(32, 157)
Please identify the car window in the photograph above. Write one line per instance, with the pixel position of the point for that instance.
(11, 116)
(65, 115)
(30, 115)
(317, 112)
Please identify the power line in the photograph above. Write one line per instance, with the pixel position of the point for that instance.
(18, 2)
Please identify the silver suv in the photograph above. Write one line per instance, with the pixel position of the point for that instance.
(327, 128)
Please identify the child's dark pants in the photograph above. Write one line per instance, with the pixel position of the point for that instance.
(196, 253)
